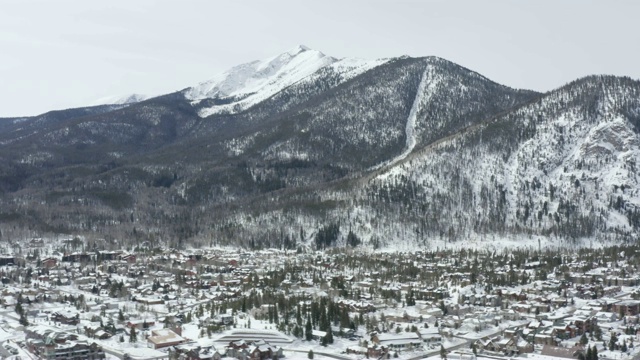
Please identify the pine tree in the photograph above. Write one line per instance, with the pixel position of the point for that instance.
(597, 332)
(308, 329)
(18, 307)
(344, 318)
(275, 314)
(23, 320)
(443, 352)
(324, 323)
(111, 327)
(583, 339)
(298, 316)
(613, 341)
(133, 337)
(329, 336)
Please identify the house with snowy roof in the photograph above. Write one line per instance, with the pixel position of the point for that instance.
(264, 351)
(401, 341)
(486, 344)
(164, 338)
(68, 317)
(47, 343)
(430, 336)
(197, 351)
(562, 353)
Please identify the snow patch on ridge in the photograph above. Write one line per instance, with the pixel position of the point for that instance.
(121, 100)
(426, 89)
(349, 68)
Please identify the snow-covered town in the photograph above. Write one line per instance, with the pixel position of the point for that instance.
(341, 304)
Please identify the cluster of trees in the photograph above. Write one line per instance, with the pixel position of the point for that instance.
(116, 288)
(296, 315)
(327, 236)
(353, 240)
(591, 353)
(615, 345)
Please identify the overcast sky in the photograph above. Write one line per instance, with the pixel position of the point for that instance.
(68, 53)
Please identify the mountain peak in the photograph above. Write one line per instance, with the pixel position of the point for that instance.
(298, 49)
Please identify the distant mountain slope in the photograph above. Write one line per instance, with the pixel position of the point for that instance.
(53, 117)
(398, 151)
(122, 99)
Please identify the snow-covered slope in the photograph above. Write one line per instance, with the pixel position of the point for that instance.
(349, 68)
(560, 170)
(562, 166)
(248, 84)
(253, 82)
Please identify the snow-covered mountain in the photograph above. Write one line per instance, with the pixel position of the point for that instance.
(411, 151)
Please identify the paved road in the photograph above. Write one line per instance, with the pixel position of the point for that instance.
(120, 354)
(335, 356)
(421, 356)
(437, 351)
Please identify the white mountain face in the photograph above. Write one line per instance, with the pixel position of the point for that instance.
(248, 84)
(121, 99)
